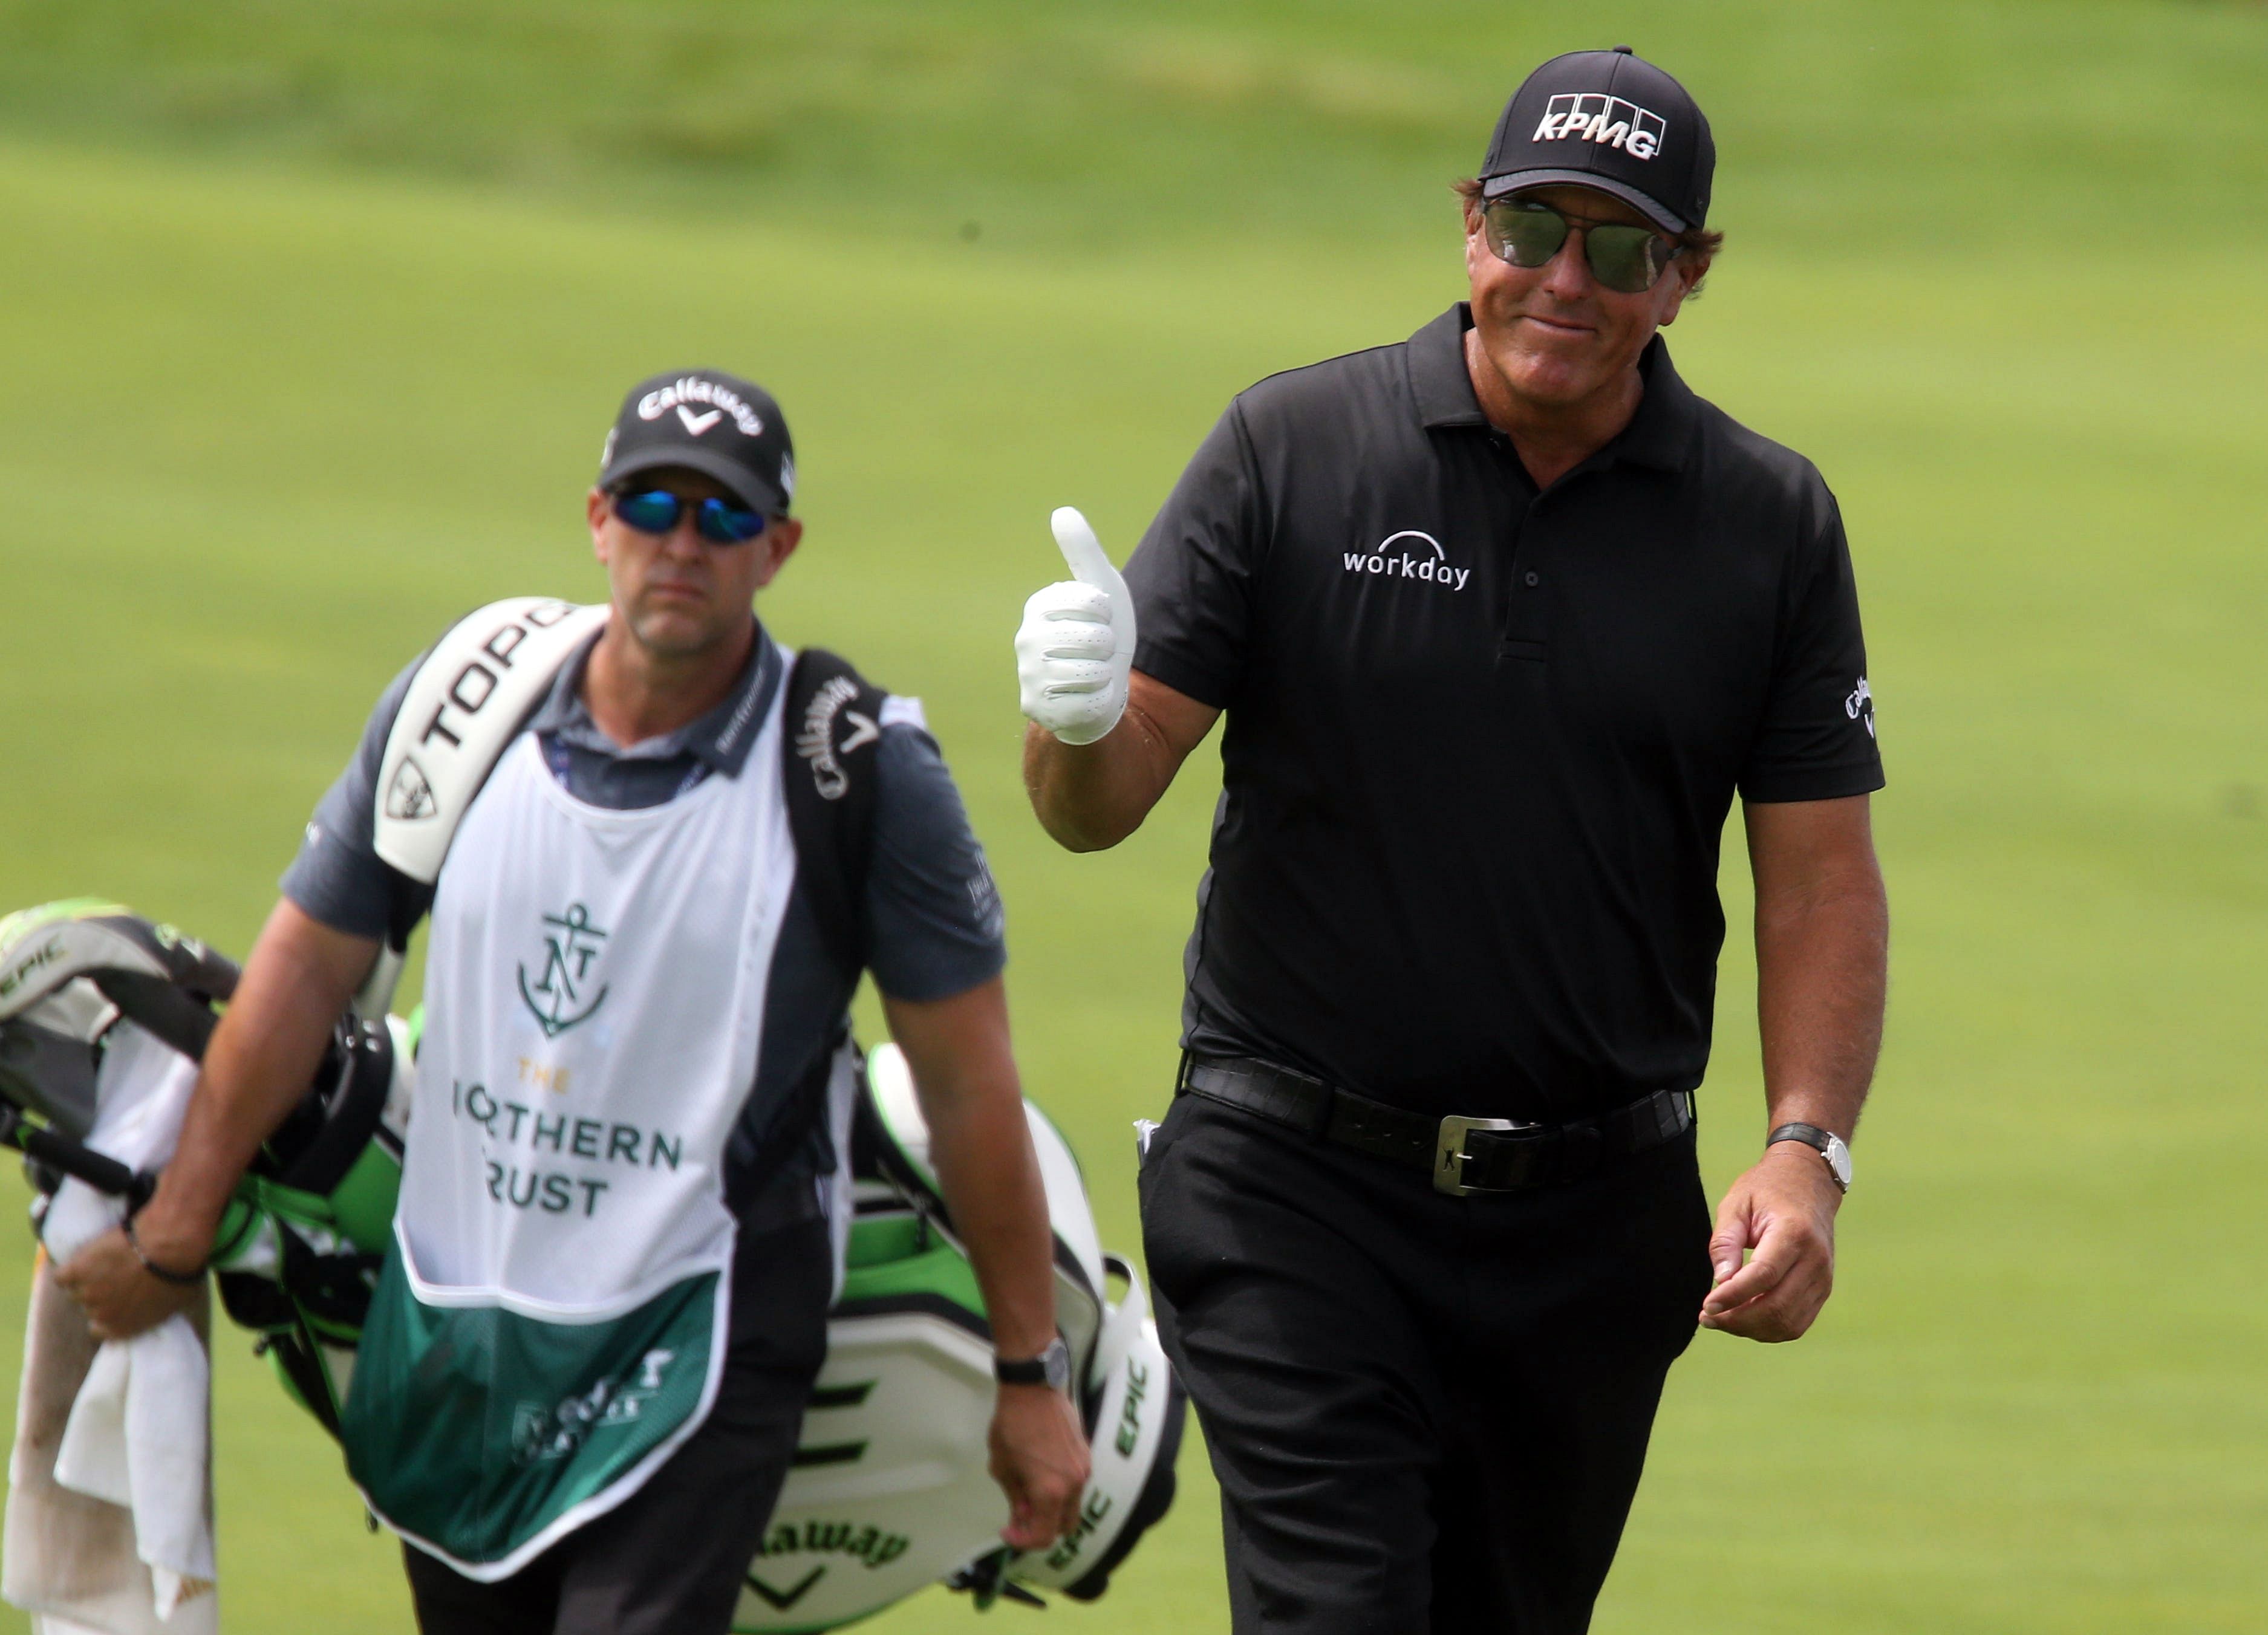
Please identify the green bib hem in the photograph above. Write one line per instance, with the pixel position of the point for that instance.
(476, 1429)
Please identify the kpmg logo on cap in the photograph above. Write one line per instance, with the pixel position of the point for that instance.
(693, 389)
(1594, 116)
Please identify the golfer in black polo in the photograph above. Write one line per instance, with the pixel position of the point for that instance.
(1502, 618)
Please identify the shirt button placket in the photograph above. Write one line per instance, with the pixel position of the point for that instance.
(1524, 634)
(1513, 477)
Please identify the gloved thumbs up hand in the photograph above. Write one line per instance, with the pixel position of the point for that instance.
(1075, 649)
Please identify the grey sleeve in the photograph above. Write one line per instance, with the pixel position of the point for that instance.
(934, 922)
(337, 878)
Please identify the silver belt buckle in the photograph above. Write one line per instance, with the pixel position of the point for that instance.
(1449, 1153)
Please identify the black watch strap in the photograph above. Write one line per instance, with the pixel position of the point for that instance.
(1811, 1135)
(1826, 1143)
(1051, 1367)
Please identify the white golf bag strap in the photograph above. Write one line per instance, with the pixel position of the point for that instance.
(376, 994)
(1121, 1325)
(464, 706)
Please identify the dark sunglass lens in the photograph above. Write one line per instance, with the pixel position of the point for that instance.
(1624, 259)
(654, 512)
(1526, 235)
(728, 525)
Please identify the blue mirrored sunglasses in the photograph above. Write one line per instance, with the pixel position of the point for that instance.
(657, 510)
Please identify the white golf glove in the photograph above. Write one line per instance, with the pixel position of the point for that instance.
(1075, 648)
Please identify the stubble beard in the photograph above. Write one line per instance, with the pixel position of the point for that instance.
(675, 635)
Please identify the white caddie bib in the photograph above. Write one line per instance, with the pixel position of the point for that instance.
(551, 1323)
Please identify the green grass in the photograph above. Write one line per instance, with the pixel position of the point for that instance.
(313, 327)
(1066, 125)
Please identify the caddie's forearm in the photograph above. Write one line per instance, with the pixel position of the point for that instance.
(1823, 964)
(297, 980)
(964, 1073)
(983, 1155)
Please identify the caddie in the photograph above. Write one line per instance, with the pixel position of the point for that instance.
(620, 1227)
(1502, 618)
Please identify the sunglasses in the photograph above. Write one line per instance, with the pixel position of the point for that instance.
(1527, 232)
(657, 510)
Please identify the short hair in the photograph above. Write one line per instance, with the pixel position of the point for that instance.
(1700, 242)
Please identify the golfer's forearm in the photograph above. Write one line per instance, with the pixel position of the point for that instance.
(1092, 796)
(1822, 960)
(299, 978)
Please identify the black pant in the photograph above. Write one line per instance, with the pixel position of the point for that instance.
(669, 1560)
(1425, 1413)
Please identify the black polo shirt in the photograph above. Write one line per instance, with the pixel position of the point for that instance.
(1481, 742)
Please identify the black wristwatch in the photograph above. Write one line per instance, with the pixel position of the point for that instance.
(1825, 1142)
(1051, 1367)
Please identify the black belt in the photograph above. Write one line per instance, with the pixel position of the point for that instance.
(1464, 1155)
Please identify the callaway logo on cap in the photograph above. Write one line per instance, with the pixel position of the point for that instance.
(1612, 120)
(706, 420)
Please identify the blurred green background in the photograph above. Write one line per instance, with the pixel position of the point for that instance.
(315, 317)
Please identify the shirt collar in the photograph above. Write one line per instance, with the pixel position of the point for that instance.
(1438, 376)
(720, 739)
(1660, 435)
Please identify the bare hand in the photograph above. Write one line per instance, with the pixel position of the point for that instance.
(1039, 1460)
(1785, 1210)
(120, 1297)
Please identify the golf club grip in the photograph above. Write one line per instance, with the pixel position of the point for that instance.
(162, 1008)
(80, 1163)
(208, 972)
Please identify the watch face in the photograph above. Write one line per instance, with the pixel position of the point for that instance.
(1057, 1360)
(1838, 1161)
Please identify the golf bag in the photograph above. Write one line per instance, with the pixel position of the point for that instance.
(888, 1492)
(299, 1247)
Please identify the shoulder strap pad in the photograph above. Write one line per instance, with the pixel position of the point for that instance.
(464, 705)
(833, 718)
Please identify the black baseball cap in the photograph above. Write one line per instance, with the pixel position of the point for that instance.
(1609, 120)
(706, 420)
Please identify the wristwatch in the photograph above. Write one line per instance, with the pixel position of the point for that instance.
(1829, 1144)
(1051, 1367)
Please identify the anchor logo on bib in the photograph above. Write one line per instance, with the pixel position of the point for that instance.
(555, 999)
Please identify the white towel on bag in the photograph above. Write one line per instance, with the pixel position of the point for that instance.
(138, 1434)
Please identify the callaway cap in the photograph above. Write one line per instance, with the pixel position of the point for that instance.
(1608, 120)
(705, 421)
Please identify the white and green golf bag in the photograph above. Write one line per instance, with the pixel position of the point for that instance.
(299, 1248)
(889, 1490)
